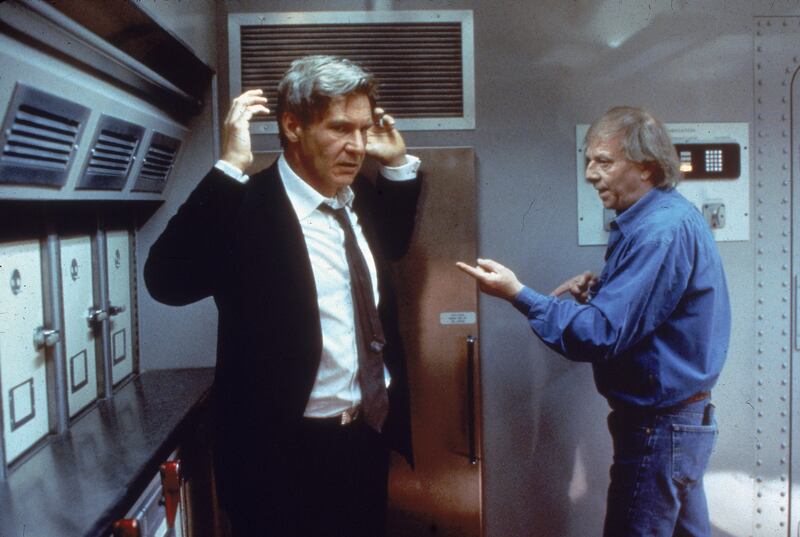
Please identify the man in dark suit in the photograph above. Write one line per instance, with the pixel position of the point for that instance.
(294, 257)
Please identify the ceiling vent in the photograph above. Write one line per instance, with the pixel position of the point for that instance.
(157, 164)
(422, 60)
(39, 138)
(112, 154)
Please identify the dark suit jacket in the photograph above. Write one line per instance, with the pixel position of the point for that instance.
(242, 244)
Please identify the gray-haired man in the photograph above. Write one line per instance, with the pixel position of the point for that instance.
(654, 325)
(308, 338)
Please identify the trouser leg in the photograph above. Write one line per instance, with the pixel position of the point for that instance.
(343, 475)
(656, 476)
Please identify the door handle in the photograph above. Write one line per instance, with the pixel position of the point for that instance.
(115, 310)
(96, 316)
(473, 457)
(796, 313)
(45, 337)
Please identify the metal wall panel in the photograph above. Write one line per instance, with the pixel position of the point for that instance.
(775, 64)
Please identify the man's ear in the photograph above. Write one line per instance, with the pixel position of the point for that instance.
(647, 171)
(292, 128)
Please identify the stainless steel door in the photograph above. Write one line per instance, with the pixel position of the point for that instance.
(438, 312)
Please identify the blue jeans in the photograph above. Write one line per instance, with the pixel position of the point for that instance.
(656, 485)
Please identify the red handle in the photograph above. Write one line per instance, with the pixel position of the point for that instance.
(126, 527)
(171, 488)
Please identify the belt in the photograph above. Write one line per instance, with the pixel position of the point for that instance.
(699, 396)
(343, 419)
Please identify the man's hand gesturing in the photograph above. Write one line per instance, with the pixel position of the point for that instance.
(236, 149)
(578, 286)
(493, 278)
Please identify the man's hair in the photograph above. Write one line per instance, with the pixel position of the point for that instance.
(310, 83)
(644, 140)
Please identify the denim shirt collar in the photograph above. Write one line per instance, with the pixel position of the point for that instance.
(629, 219)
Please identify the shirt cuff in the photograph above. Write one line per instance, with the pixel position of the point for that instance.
(404, 172)
(231, 171)
(531, 303)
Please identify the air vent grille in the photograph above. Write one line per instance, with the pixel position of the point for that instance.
(418, 65)
(40, 135)
(423, 61)
(157, 164)
(40, 139)
(112, 155)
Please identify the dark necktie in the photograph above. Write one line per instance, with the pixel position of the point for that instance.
(369, 332)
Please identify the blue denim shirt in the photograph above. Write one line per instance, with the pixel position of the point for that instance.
(657, 325)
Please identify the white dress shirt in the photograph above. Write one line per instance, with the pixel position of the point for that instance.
(336, 386)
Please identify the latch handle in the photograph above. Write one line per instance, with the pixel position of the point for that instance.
(45, 337)
(96, 316)
(171, 489)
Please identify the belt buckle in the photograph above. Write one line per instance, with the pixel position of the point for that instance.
(349, 416)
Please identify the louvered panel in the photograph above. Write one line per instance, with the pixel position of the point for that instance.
(419, 65)
(157, 164)
(39, 138)
(112, 154)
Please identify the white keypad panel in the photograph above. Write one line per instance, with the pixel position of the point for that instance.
(22, 364)
(79, 337)
(119, 297)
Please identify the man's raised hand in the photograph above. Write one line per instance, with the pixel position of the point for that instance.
(385, 143)
(236, 148)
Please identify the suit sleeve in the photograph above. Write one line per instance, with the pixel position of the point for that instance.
(184, 263)
(393, 208)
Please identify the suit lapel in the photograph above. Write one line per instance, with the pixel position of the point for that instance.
(275, 259)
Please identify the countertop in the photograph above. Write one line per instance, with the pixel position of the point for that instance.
(80, 482)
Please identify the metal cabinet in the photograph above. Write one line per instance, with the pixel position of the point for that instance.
(66, 330)
(82, 320)
(118, 270)
(23, 340)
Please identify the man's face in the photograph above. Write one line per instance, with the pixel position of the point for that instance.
(330, 150)
(619, 182)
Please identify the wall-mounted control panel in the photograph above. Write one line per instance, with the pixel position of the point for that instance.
(715, 162)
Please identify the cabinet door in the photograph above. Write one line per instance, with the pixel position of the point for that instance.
(118, 263)
(22, 361)
(79, 335)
